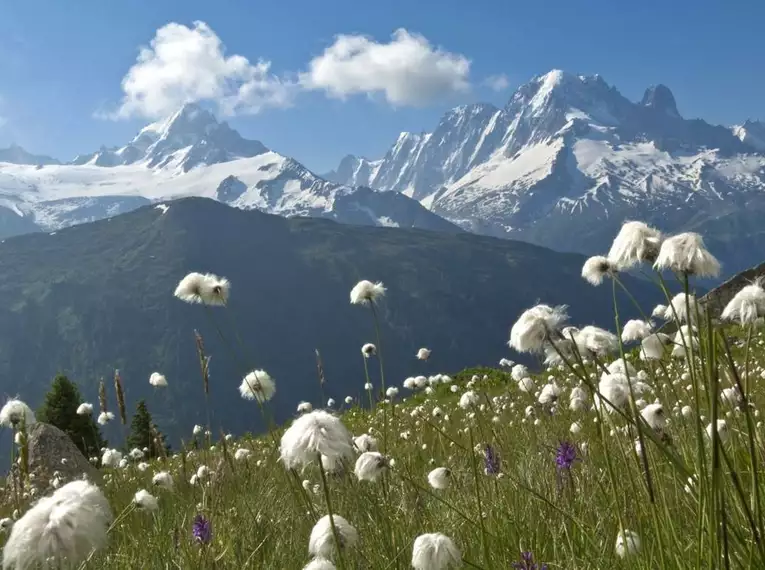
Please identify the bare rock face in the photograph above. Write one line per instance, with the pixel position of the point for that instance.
(52, 451)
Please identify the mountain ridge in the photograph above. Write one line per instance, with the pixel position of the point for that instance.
(189, 153)
(569, 158)
(95, 297)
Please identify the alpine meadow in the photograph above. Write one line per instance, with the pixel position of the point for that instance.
(382, 286)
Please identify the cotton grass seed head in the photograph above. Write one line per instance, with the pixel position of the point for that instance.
(747, 305)
(365, 292)
(635, 243)
(105, 417)
(627, 544)
(163, 480)
(313, 434)
(204, 289)
(145, 501)
(635, 330)
(322, 541)
(435, 551)
(440, 478)
(423, 354)
(60, 530)
(597, 268)
(534, 326)
(370, 466)
(157, 380)
(685, 253)
(369, 350)
(257, 385)
(84, 409)
(14, 412)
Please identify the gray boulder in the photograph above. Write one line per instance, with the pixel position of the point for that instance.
(51, 450)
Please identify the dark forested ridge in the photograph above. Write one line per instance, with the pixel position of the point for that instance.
(96, 297)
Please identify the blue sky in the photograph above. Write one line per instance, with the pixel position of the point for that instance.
(62, 64)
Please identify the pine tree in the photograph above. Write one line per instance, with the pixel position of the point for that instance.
(144, 433)
(60, 410)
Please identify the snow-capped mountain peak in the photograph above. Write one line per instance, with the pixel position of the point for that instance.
(569, 157)
(660, 98)
(189, 153)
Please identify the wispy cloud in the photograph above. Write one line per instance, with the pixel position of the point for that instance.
(189, 64)
(498, 82)
(185, 64)
(408, 70)
(3, 121)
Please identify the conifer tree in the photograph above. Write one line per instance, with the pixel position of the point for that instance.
(60, 409)
(140, 428)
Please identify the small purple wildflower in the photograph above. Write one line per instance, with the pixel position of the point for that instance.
(202, 530)
(491, 461)
(527, 563)
(565, 455)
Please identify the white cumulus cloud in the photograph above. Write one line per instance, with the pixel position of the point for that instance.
(188, 64)
(408, 70)
(498, 82)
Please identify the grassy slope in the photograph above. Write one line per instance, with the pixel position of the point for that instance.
(569, 520)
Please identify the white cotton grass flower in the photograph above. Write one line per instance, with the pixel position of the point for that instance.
(365, 442)
(654, 416)
(365, 292)
(635, 243)
(677, 310)
(597, 268)
(636, 329)
(368, 350)
(60, 530)
(163, 480)
(747, 305)
(468, 400)
(14, 412)
(685, 338)
(145, 501)
(111, 458)
(591, 340)
(242, 454)
(723, 432)
(435, 551)
(440, 478)
(620, 366)
(198, 429)
(627, 543)
(105, 417)
(410, 384)
(370, 466)
(533, 327)
(526, 385)
(732, 396)
(686, 253)
(304, 407)
(158, 380)
(420, 381)
(313, 434)
(204, 289)
(320, 564)
(391, 392)
(549, 394)
(423, 354)
(322, 540)
(84, 409)
(505, 363)
(659, 311)
(519, 371)
(652, 346)
(615, 389)
(257, 385)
